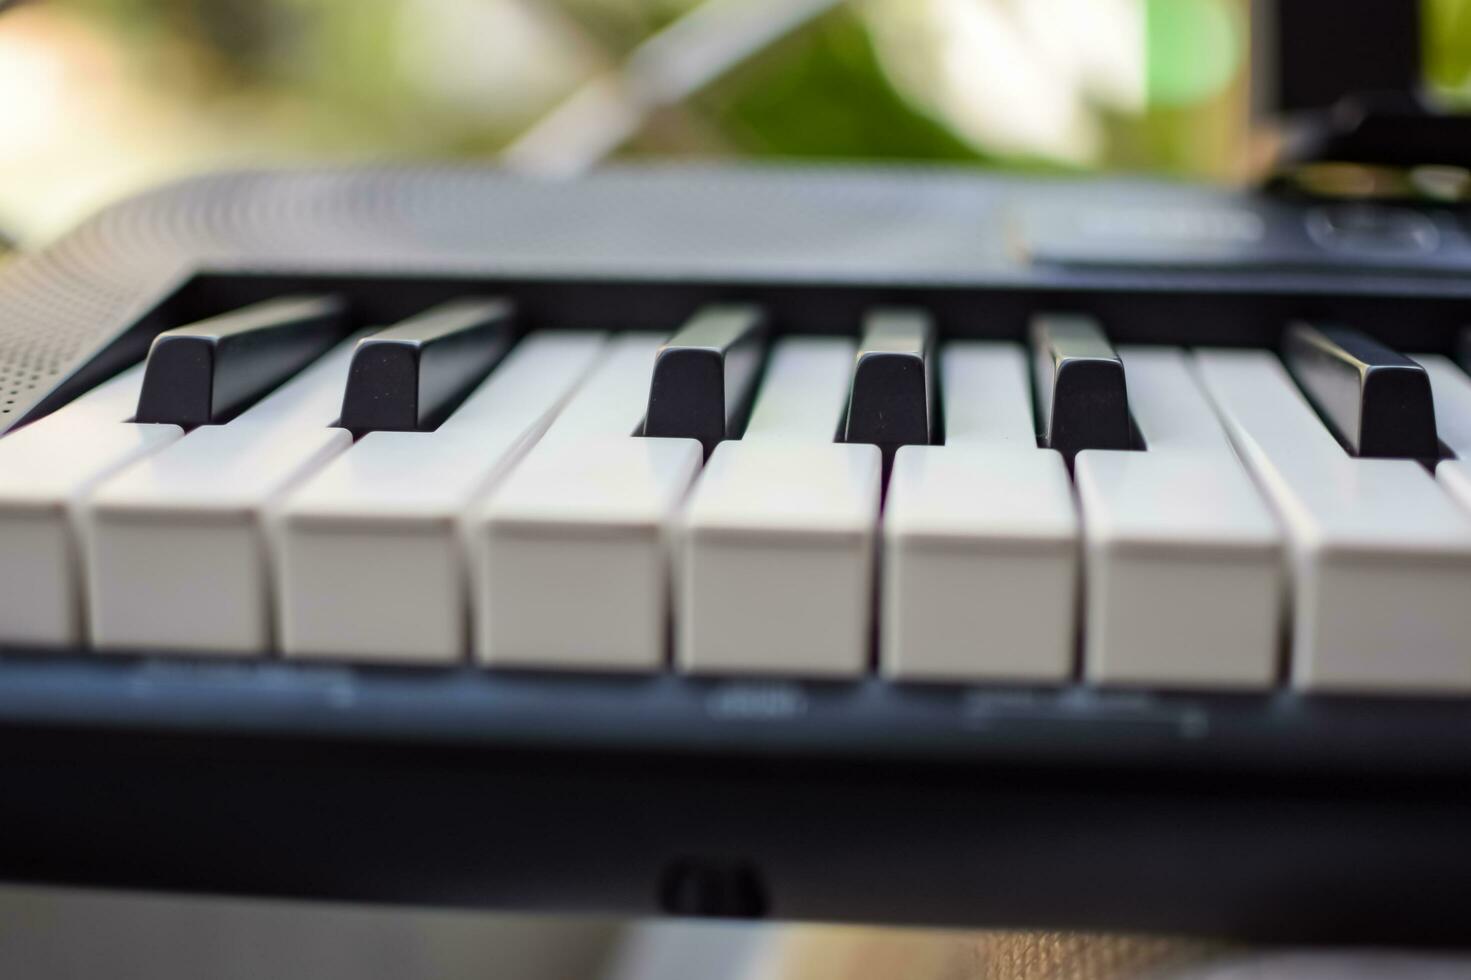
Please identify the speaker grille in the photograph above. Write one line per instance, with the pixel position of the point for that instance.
(61, 307)
(48, 322)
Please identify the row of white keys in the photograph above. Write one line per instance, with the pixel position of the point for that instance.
(776, 546)
(569, 553)
(1451, 389)
(177, 556)
(1380, 555)
(46, 470)
(370, 548)
(1182, 558)
(980, 536)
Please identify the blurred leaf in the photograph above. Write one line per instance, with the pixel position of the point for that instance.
(1194, 48)
(1447, 49)
(821, 93)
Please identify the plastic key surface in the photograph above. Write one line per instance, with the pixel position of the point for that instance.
(204, 373)
(1451, 387)
(1377, 401)
(1082, 397)
(177, 545)
(980, 568)
(704, 375)
(1380, 555)
(47, 469)
(892, 399)
(569, 552)
(407, 377)
(774, 553)
(371, 561)
(1182, 556)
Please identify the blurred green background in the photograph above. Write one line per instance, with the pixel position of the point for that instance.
(100, 97)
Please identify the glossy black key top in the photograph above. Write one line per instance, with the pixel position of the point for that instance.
(408, 377)
(892, 399)
(1376, 400)
(705, 374)
(1082, 396)
(205, 373)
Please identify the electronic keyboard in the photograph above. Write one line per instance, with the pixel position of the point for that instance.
(866, 545)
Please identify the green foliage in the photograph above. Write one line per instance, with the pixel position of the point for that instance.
(1447, 49)
(822, 93)
(1193, 49)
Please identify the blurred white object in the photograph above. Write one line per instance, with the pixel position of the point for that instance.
(80, 128)
(471, 55)
(1016, 77)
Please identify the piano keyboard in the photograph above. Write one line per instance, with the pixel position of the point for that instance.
(869, 546)
(441, 491)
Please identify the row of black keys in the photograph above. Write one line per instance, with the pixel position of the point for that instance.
(410, 376)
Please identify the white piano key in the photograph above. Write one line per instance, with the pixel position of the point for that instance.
(775, 565)
(980, 565)
(569, 552)
(980, 536)
(796, 398)
(46, 469)
(1183, 559)
(1451, 389)
(370, 556)
(611, 403)
(992, 396)
(1454, 475)
(1380, 555)
(177, 553)
(775, 552)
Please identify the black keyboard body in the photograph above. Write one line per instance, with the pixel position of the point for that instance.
(1272, 816)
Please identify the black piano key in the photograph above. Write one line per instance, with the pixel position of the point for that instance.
(408, 377)
(1082, 396)
(892, 399)
(1376, 400)
(205, 373)
(705, 374)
